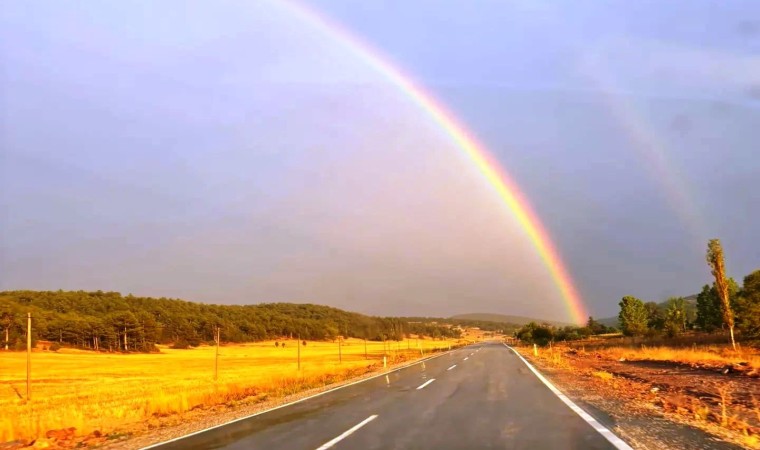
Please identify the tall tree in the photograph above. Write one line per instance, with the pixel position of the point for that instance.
(718, 268)
(633, 316)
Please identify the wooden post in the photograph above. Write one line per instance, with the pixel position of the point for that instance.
(28, 356)
(299, 352)
(365, 348)
(340, 352)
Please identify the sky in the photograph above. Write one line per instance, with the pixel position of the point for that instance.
(239, 152)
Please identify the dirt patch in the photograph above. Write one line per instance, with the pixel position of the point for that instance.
(650, 402)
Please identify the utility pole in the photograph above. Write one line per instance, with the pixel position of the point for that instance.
(299, 352)
(340, 351)
(28, 356)
(365, 348)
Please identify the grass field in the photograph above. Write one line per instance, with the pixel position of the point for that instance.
(108, 392)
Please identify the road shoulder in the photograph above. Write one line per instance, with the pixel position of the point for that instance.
(625, 406)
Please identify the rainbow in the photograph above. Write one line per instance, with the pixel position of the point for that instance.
(497, 177)
(652, 149)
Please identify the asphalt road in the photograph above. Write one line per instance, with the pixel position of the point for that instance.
(477, 397)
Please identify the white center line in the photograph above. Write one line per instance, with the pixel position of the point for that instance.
(425, 383)
(451, 367)
(467, 358)
(348, 433)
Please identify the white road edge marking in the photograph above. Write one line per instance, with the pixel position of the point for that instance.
(451, 367)
(601, 429)
(347, 433)
(466, 358)
(425, 383)
(284, 405)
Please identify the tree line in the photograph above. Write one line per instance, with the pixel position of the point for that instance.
(722, 305)
(109, 321)
(544, 333)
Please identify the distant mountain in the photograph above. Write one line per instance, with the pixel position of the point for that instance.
(503, 318)
(691, 311)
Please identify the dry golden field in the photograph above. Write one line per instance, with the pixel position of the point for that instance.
(108, 392)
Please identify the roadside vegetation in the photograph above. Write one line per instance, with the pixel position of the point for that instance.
(695, 360)
(724, 308)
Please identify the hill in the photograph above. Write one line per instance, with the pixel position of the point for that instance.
(108, 320)
(503, 318)
(691, 311)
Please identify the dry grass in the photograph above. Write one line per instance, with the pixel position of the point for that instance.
(108, 392)
(711, 355)
(603, 375)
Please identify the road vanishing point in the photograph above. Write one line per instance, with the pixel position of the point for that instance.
(483, 396)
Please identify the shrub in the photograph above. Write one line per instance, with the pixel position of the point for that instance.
(54, 347)
(181, 345)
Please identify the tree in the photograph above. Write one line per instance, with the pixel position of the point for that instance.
(718, 269)
(6, 321)
(594, 326)
(748, 306)
(708, 309)
(633, 316)
(655, 319)
(675, 316)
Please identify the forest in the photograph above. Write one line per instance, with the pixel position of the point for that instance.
(110, 321)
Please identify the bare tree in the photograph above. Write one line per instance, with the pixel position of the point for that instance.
(718, 269)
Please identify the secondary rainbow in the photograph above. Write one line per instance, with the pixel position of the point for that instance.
(490, 169)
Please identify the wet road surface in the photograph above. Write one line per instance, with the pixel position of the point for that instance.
(480, 396)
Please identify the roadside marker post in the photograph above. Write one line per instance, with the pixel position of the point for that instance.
(535, 350)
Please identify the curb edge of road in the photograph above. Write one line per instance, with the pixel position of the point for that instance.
(601, 429)
(179, 438)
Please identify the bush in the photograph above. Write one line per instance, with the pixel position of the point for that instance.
(181, 345)
(54, 347)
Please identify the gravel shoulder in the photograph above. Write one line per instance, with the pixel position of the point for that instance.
(659, 405)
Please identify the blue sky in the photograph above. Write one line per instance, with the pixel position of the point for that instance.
(230, 152)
